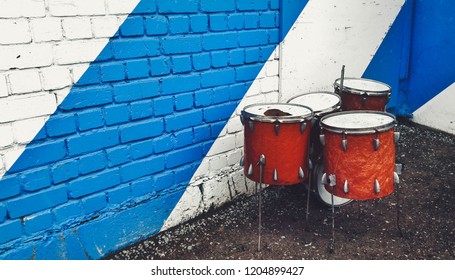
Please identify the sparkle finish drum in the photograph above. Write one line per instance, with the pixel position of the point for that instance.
(277, 137)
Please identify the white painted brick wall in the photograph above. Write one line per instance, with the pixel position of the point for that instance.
(76, 7)
(6, 136)
(77, 28)
(102, 27)
(120, 6)
(14, 31)
(3, 86)
(26, 130)
(46, 29)
(23, 107)
(22, 8)
(25, 56)
(24, 81)
(56, 77)
(72, 52)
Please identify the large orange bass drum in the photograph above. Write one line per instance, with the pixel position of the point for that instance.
(277, 138)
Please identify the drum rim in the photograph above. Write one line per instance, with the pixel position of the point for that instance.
(333, 108)
(280, 119)
(370, 93)
(366, 130)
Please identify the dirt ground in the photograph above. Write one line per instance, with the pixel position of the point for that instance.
(363, 229)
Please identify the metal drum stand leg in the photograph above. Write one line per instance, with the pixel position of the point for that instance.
(332, 242)
(398, 169)
(310, 183)
(261, 165)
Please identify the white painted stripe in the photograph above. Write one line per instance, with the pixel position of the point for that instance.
(329, 34)
(439, 112)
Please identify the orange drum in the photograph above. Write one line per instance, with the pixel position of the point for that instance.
(359, 154)
(362, 94)
(277, 138)
(322, 103)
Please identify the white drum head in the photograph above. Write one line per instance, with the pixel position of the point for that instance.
(358, 121)
(361, 86)
(271, 112)
(319, 102)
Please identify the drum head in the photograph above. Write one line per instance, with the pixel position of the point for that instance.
(320, 102)
(363, 86)
(358, 122)
(272, 112)
(324, 196)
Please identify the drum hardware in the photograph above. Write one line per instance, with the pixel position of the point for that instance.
(377, 187)
(261, 164)
(332, 180)
(396, 137)
(376, 141)
(242, 161)
(251, 125)
(344, 142)
(302, 127)
(322, 139)
(332, 242)
(302, 175)
(250, 170)
(242, 119)
(277, 127)
(275, 175)
(364, 99)
(398, 170)
(346, 187)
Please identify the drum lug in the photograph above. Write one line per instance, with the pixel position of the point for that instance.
(242, 119)
(396, 137)
(277, 128)
(302, 127)
(242, 161)
(376, 141)
(346, 187)
(396, 179)
(398, 168)
(250, 169)
(332, 180)
(364, 99)
(301, 173)
(275, 175)
(251, 125)
(344, 142)
(310, 164)
(322, 139)
(324, 179)
(377, 187)
(262, 160)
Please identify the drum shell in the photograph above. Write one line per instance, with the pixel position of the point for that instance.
(361, 165)
(286, 151)
(352, 101)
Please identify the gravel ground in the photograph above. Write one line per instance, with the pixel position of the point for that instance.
(363, 229)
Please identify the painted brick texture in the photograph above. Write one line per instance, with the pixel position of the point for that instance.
(129, 126)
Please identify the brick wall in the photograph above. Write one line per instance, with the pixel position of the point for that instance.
(113, 115)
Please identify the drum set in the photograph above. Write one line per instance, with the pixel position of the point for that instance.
(341, 144)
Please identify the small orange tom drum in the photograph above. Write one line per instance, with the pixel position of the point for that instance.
(362, 94)
(359, 154)
(277, 138)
